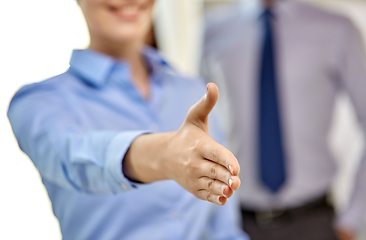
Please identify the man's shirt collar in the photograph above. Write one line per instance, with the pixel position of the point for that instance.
(254, 9)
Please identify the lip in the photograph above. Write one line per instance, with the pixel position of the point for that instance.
(128, 11)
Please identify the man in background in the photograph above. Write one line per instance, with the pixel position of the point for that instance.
(282, 64)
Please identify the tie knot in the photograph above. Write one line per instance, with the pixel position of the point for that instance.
(267, 14)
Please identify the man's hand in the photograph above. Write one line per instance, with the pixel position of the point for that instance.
(188, 156)
(343, 234)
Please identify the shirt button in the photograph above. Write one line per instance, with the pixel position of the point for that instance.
(174, 214)
(124, 186)
(154, 127)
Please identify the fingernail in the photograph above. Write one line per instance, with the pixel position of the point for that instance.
(231, 182)
(231, 169)
(221, 199)
(223, 190)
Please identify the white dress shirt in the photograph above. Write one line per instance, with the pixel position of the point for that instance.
(319, 54)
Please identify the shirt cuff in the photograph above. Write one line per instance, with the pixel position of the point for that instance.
(116, 151)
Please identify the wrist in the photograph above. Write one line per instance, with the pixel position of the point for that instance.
(147, 159)
(164, 164)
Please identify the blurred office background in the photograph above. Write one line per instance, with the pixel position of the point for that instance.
(37, 38)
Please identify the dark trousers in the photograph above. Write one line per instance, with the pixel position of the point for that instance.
(314, 223)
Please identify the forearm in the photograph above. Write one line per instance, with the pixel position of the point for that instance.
(85, 162)
(146, 160)
(65, 152)
(352, 217)
(352, 75)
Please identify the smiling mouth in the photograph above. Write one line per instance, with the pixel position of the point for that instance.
(127, 12)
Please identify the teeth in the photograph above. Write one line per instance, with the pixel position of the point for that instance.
(129, 10)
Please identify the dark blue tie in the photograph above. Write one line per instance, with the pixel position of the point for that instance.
(271, 153)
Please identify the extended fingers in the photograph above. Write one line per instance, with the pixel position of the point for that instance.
(215, 186)
(219, 154)
(218, 172)
(211, 197)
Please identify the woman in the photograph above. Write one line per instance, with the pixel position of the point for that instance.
(90, 133)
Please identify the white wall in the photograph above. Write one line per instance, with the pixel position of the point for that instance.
(178, 26)
(37, 38)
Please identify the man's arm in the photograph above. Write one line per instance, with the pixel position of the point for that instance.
(352, 74)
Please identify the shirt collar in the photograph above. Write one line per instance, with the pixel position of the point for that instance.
(251, 8)
(254, 8)
(95, 68)
(154, 60)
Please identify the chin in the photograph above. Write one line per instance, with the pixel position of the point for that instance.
(128, 33)
(128, 37)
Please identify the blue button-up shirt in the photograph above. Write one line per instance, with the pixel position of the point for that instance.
(77, 127)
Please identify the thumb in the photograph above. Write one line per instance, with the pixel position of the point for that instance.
(199, 112)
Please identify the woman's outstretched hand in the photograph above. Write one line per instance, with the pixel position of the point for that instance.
(188, 156)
